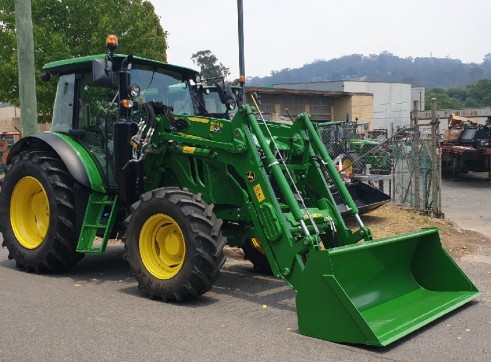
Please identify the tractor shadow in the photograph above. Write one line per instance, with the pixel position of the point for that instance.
(238, 284)
(237, 280)
(106, 267)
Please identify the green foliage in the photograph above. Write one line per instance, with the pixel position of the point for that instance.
(480, 92)
(71, 28)
(207, 62)
(444, 101)
(474, 96)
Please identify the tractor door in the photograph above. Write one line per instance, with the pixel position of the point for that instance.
(97, 110)
(86, 112)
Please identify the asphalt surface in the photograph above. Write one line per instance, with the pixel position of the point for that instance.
(94, 312)
(467, 201)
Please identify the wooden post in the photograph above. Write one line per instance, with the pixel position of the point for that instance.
(417, 196)
(435, 163)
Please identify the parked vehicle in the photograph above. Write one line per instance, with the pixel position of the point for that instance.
(466, 146)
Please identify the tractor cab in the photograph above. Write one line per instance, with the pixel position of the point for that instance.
(96, 92)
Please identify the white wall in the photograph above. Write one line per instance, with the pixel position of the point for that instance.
(391, 102)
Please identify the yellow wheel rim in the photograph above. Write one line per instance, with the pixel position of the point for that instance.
(257, 244)
(29, 212)
(347, 167)
(162, 246)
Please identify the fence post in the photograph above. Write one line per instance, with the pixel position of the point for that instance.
(392, 183)
(435, 163)
(417, 196)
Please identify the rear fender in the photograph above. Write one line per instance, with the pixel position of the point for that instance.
(75, 157)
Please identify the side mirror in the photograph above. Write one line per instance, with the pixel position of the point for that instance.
(102, 72)
(45, 77)
(226, 95)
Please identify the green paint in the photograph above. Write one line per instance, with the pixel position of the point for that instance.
(93, 173)
(377, 292)
(85, 63)
(100, 216)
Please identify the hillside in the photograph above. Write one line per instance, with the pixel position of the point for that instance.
(384, 67)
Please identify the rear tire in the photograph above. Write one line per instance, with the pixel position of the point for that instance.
(37, 213)
(260, 263)
(385, 163)
(173, 244)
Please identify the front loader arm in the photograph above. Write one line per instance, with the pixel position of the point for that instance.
(284, 225)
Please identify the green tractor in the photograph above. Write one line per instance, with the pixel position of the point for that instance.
(340, 138)
(129, 155)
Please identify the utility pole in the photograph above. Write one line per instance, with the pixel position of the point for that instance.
(27, 81)
(240, 16)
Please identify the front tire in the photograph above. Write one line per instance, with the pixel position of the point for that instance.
(37, 213)
(173, 244)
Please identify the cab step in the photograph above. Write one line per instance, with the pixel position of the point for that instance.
(98, 222)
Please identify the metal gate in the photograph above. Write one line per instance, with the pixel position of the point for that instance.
(417, 170)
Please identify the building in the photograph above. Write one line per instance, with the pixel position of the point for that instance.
(392, 102)
(9, 117)
(322, 105)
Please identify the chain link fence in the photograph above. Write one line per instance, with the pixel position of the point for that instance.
(413, 173)
(405, 165)
(354, 152)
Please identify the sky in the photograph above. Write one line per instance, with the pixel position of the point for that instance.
(281, 34)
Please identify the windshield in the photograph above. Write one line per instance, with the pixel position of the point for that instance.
(213, 103)
(164, 88)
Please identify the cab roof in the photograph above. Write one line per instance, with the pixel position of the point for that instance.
(68, 66)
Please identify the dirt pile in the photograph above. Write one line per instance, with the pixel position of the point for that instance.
(391, 220)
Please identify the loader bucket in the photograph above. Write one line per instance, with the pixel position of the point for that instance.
(367, 198)
(379, 291)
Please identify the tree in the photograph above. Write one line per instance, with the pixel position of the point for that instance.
(71, 28)
(479, 93)
(474, 96)
(445, 101)
(207, 62)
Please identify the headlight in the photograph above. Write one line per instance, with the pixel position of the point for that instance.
(134, 90)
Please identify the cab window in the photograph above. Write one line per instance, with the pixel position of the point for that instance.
(97, 112)
(64, 104)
